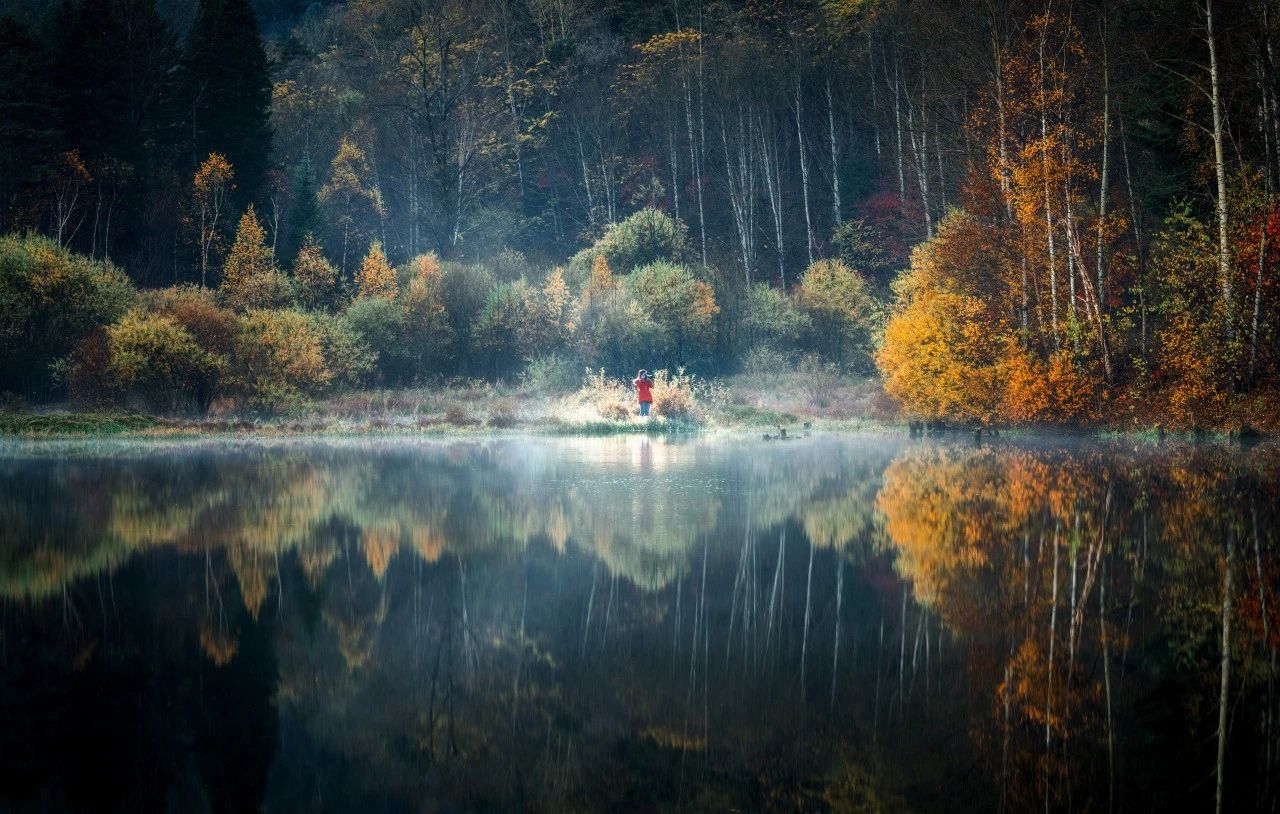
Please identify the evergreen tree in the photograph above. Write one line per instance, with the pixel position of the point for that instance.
(28, 130)
(229, 91)
(304, 217)
(376, 277)
(250, 278)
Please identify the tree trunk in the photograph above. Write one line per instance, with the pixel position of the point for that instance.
(835, 159)
(1048, 204)
(1106, 159)
(804, 170)
(1220, 168)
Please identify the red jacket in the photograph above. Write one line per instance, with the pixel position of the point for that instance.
(642, 388)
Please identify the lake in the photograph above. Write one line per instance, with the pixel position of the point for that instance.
(634, 624)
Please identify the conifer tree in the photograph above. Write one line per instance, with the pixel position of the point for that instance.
(316, 277)
(304, 217)
(376, 278)
(250, 278)
(228, 90)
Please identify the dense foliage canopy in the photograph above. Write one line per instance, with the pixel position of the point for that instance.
(1094, 186)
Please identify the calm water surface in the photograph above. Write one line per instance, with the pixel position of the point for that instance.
(639, 625)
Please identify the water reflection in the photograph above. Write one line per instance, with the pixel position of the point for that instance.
(632, 623)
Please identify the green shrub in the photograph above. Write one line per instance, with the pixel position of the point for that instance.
(155, 358)
(647, 236)
(767, 359)
(838, 301)
(50, 300)
(380, 323)
(771, 318)
(678, 303)
(499, 330)
(551, 373)
(464, 290)
(348, 357)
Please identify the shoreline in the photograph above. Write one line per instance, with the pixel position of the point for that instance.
(89, 426)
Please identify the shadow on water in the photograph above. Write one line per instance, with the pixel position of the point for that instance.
(619, 623)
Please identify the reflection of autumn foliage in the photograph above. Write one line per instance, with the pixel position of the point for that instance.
(219, 645)
(1042, 555)
(380, 544)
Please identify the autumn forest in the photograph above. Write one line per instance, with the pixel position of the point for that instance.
(1008, 212)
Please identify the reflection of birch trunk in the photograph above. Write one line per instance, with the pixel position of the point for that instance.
(1269, 723)
(875, 710)
(1225, 682)
(804, 637)
(835, 655)
(775, 593)
(591, 601)
(1048, 695)
(1106, 681)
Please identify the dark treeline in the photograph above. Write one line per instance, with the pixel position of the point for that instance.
(510, 134)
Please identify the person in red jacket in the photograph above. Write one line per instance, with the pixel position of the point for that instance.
(644, 391)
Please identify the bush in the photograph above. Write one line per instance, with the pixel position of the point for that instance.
(279, 359)
(772, 318)
(463, 290)
(503, 415)
(769, 360)
(837, 300)
(510, 265)
(87, 378)
(50, 300)
(679, 304)
(346, 354)
(673, 396)
(819, 378)
(499, 329)
(197, 310)
(379, 323)
(648, 236)
(157, 359)
(610, 398)
(551, 373)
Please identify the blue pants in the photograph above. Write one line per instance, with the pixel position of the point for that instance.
(644, 408)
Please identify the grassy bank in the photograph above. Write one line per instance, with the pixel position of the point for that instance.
(734, 403)
(741, 404)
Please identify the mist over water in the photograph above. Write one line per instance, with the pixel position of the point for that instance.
(830, 623)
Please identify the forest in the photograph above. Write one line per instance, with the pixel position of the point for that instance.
(1008, 211)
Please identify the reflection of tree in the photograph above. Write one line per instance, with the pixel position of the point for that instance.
(437, 605)
(258, 504)
(1044, 556)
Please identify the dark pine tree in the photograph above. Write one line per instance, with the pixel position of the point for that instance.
(304, 217)
(229, 92)
(29, 135)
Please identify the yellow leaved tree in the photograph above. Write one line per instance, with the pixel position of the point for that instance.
(250, 278)
(376, 277)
